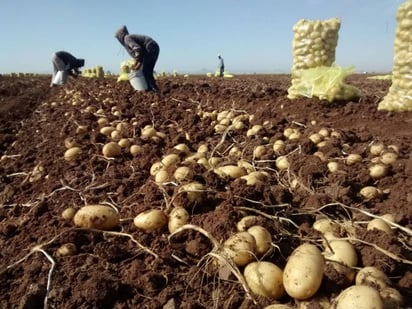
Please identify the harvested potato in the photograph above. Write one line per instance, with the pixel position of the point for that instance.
(99, 217)
(360, 297)
(68, 213)
(66, 249)
(303, 272)
(111, 149)
(150, 220)
(265, 279)
(241, 247)
(72, 153)
(263, 239)
(372, 276)
(177, 218)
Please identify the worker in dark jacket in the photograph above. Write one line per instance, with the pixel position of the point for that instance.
(144, 50)
(67, 65)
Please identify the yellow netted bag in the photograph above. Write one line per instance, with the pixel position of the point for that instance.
(399, 97)
(125, 69)
(324, 82)
(313, 72)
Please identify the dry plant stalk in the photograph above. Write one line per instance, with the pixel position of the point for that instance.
(219, 254)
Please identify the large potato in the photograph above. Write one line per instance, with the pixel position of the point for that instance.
(303, 272)
(99, 217)
(359, 297)
(265, 279)
(241, 247)
(150, 220)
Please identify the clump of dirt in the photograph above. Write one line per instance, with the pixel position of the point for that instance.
(128, 267)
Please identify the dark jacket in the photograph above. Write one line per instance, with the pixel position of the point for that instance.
(136, 45)
(69, 60)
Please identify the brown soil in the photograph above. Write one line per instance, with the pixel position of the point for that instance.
(109, 270)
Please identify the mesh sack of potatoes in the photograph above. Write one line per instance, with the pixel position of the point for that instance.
(314, 46)
(399, 96)
(125, 68)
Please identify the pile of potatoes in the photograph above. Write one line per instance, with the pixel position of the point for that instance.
(399, 97)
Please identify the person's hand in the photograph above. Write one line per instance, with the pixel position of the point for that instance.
(137, 65)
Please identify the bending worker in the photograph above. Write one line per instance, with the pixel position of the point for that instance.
(64, 65)
(144, 50)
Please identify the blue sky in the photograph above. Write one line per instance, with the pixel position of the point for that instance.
(252, 36)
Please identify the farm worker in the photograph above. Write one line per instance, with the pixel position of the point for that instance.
(64, 64)
(144, 50)
(221, 65)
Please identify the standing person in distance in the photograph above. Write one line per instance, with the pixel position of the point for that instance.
(144, 50)
(67, 65)
(221, 66)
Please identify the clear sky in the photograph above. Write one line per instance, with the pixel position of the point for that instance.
(251, 35)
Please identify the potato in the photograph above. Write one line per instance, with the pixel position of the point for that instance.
(156, 167)
(379, 224)
(70, 142)
(372, 276)
(72, 154)
(326, 225)
(359, 297)
(182, 148)
(102, 122)
(353, 158)
(303, 272)
(246, 222)
(203, 148)
(177, 218)
(282, 162)
(183, 173)
(279, 306)
(150, 220)
(378, 171)
(259, 151)
(99, 217)
(241, 248)
(254, 130)
(377, 149)
(316, 138)
(161, 176)
(148, 132)
(68, 213)
(370, 192)
(170, 159)
(135, 150)
(342, 251)
(107, 130)
(388, 158)
(66, 249)
(111, 149)
(265, 279)
(278, 146)
(231, 171)
(195, 191)
(263, 239)
(333, 167)
(124, 143)
(392, 298)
